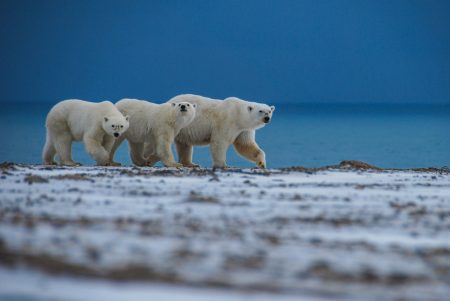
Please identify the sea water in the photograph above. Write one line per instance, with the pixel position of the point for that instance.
(311, 135)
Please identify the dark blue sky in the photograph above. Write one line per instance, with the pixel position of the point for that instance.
(271, 51)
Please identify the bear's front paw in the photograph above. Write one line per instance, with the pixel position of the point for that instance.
(216, 166)
(261, 164)
(173, 164)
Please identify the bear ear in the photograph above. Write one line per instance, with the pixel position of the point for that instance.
(272, 108)
(127, 118)
(194, 105)
(173, 104)
(106, 119)
(250, 108)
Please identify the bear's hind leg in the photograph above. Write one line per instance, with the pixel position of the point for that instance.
(63, 146)
(49, 151)
(150, 154)
(184, 152)
(137, 153)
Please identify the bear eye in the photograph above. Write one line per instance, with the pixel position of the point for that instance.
(188, 105)
(261, 111)
(112, 125)
(121, 126)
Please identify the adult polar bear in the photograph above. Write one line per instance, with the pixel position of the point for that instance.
(220, 124)
(96, 124)
(152, 130)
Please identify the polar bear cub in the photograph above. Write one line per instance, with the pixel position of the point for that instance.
(96, 124)
(153, 128)
(220, 124)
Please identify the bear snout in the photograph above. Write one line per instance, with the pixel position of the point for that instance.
(116, 135)
(183, 108)
(266, 119)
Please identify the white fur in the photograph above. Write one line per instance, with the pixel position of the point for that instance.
(221, 123)
(153, 128)
(76, 120)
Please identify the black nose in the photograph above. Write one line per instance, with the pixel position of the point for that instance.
(266, 119)
(116, 135)
(183, 108)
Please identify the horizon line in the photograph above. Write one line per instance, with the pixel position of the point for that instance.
(289, 103)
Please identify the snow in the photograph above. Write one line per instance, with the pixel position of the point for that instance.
(333, 234)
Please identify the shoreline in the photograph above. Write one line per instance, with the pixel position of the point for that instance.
(343, 165)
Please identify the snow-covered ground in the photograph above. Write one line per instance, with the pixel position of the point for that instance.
(235, 235)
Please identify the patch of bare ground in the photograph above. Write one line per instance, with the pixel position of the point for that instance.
(355, 164)
(325, 271)
(319, 219)
(58, 265)
(346, 165)
(4, 166)
(132, 272)
(184, 255)
(17, 217)
(34, 179)
(442, 170)
(195, 197)
(144, 272)
(360, 165)
(252, 262)
(74, 177)
(30, 221)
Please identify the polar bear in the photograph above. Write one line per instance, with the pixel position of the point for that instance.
(221, 123)
(153, 128)
(96, 124)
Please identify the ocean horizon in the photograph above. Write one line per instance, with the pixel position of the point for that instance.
(310, 135)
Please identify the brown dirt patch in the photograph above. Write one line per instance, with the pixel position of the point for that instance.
(32, 179)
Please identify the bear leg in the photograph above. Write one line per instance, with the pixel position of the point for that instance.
(164, 152)
(219, 153)
(63, 146)
(137, 153)
(152, 160)
(247, 147)
(184, 152)
(96, 150)
(150, 154)
(49, 151)
(116, 143)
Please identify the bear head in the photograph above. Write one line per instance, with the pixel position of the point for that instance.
(259, 114)
(115, 125)
(185, 112)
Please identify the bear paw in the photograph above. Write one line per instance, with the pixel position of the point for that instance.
(261, 164)
(71, 163)
(173, 164)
